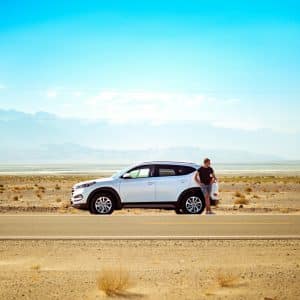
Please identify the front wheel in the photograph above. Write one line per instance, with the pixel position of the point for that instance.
(102, 204)
(193, 204)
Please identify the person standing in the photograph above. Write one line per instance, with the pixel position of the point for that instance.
(205, 176)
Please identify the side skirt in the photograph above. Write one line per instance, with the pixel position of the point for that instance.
(166, 205)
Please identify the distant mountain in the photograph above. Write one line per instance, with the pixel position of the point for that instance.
(70, 153)
(44, 137)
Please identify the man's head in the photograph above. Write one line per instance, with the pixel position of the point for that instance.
(206, 162)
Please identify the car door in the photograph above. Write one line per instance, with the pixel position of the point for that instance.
(170, 181)
(137, 185)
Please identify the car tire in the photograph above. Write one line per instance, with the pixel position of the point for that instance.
(178, 210)
(102, 204)
(192, 204)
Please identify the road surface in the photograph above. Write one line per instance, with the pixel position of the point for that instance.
(150, 227)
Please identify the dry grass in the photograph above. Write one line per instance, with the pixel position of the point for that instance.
(114, 282)
(238, 194)
(248, 190)
(227, 279)
(39, 195)
(35, 267)
(241, 200)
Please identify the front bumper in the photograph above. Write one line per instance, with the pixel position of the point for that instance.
(78, 198)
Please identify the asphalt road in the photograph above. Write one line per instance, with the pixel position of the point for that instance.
(150, 227)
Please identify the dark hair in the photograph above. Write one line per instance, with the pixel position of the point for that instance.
(206, 160)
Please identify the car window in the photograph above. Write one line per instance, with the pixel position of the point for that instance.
(166, 172)
(184, 170)
(140, 173)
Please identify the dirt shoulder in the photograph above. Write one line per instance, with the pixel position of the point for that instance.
(157, 269)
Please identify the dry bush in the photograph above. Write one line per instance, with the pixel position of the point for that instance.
(39, 195)
(15, 198)
(36, 267)
(58, 200)
(114, 282)
(238, 194)
(42, 189)
(65, 205)
(241, 200)
(256, 196)
(57, 187)
(248, 190)
(227, 279)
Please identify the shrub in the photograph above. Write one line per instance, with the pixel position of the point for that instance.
(248, 190)
(114, 282)
(238, 194)
(227, 279)
(241, 200)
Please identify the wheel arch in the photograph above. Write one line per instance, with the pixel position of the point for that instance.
(110, 190)
(196, 190)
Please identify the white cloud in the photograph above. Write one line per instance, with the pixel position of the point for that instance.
(51, 93)
(163, 107)
(137, 106)
(2, 86)
(237, 124)
(76, 94)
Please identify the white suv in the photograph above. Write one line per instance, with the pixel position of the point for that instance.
(150, 185)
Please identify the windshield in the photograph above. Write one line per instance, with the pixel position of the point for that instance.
(119, 173)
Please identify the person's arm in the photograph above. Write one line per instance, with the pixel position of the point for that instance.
(197, 177)
(214, 176)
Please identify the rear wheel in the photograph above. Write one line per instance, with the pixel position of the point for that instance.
(192, 204)
(102, 204)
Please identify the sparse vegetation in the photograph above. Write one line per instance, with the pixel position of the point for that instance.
(238, 194)
(15, 198)
(57, 187)
(241, 200)
(227, 279)
(39, 195)
(58, 200)
(42, 189)
(114, 282)
(36, 267)
(248, 190)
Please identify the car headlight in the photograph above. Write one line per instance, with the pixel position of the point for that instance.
(85, 185)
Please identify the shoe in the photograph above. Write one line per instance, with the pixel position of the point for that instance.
(210, 213)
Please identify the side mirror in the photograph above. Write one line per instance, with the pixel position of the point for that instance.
(126, 176)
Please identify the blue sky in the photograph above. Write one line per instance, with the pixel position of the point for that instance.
(232, 64)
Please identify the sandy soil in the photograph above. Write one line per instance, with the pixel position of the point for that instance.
(51, 193)
(158, 269)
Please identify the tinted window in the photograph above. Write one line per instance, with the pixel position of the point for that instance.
(166, 172)
(172, 170)
(184, 170)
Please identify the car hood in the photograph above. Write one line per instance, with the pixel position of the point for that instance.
(108, 179)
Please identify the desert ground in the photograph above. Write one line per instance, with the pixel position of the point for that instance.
(238, 194)
(150, 269)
